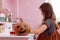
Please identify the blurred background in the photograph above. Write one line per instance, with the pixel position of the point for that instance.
(28, 10)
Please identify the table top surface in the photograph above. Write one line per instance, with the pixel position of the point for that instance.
(29, 35)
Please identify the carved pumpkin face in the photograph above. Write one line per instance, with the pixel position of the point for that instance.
(22, 29)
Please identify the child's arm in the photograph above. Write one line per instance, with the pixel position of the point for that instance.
(39, 30)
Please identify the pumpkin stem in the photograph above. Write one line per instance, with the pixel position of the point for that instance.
(21, 20)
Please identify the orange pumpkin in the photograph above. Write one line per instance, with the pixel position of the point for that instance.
(22, 29)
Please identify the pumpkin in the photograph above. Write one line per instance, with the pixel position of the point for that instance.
(21, 28)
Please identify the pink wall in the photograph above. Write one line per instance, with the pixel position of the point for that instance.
(12, 5)
(27, 9)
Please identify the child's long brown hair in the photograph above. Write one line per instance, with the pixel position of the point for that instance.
(47, 10)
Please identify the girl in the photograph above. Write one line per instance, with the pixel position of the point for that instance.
(48, 30)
